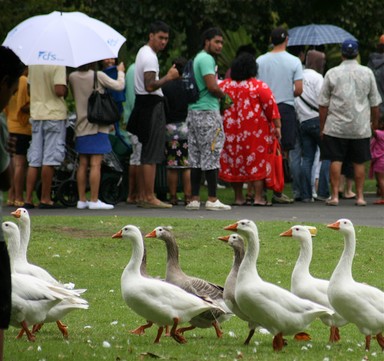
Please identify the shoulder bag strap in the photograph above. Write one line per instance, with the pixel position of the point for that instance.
(94, 80)
(309, 105)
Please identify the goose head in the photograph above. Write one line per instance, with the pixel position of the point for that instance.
(159, 232)
(300, 232)
(234, 240)
(343, 225)
(128, 231)
(21, 213)
(244, 226)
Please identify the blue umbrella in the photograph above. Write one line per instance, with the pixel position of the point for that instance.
(317, 35)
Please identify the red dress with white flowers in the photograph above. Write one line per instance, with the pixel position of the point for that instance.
(248, 129)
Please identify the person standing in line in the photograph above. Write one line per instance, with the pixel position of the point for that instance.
(307, 111)
(147, 119)
(283, 72)
(349, 109)
(176, 145)
(134, 159)
(48, 88)
(250, 126)
(376, 63)
(11, 68)
(92, 140)
(205, 124)
(20, 130)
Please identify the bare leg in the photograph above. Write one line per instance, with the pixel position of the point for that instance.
(32, 174)
(94, 176)
(148, 179)
(259, 189)
(187, 188)
(47, 172)
(238, 190)
(359, 170)
(19, 162)
(81, 176)
(380, 184)
(335, 171)
(172, 180)
(132, 186)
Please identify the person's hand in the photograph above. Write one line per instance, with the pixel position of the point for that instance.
(277, 133)
(173, 73)
(121, 67)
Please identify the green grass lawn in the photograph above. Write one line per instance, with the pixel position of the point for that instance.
(81, 250)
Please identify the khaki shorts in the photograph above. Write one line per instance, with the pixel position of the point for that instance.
(48, 143)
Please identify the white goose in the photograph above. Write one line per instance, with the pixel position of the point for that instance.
(193, 285)
(155, 300)
(237, 243)
(23, 266)
(358, 303)
(274, 308)
(32, 298)
(304, 285)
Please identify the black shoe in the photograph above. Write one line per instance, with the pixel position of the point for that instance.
(51, 206)
(28, 206)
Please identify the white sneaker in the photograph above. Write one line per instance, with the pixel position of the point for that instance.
(99, 205)
(216, 206)
(82, 205)
(193, 206)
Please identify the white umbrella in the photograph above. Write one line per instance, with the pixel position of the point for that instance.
(63, 38)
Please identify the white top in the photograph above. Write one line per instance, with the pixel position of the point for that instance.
(349, 91)
(146, 60)
(280, 70)
(312, 83)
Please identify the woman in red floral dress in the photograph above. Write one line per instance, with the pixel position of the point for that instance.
(250, 126)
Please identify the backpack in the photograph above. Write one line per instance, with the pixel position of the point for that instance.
(189, 83)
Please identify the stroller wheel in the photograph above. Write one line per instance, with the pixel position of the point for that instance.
(67, 193)
(111, 190)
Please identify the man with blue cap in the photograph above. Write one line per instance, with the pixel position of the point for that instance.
(349, 110)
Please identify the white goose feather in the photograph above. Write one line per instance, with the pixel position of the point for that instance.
(358, 303)
(194, 285)
(274, 308)
(304, 285)
(237, 244)
(32, 298)
(157, 301)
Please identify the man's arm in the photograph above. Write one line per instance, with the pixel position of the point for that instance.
(150, 82)
(61, 90)
(212, 86)
(375, 114)
(323, 112)
(298, 84)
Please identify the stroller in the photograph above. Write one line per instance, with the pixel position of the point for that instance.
(64, 184)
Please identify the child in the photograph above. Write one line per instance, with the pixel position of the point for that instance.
(377, 162)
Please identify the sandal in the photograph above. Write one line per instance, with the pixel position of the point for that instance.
(10, 203)
(249, 199)
(379, 201)
(173, 200)
(265, 204)
(331, 202)
(18, 203)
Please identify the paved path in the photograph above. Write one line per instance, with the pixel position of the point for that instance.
(318, 212)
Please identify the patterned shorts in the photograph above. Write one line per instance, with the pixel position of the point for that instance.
(205, 139)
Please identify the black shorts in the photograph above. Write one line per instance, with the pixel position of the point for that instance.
(19, 142)
(289, 126)
(341, 149)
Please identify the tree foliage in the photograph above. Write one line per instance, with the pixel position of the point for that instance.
(362, 18)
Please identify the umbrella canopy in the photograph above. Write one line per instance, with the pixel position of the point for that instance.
(63, 38)
(317, 35)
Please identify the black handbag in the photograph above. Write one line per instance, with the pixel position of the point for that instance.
(102, 108)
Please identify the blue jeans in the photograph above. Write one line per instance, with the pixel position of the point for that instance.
(310, 135)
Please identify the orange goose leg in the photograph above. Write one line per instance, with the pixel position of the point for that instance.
(175, 333)
(25, 329)
(159, 333)
(141, 329)
(367, 342)
(278, 342)
(63, 328)
(216, 326)
(380, 340)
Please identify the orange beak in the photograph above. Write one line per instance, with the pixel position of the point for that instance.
(286, 233)
(16, 214)
(223, 238)
(231, 227)
(335, 225)
(151, 234)
(118, 234)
